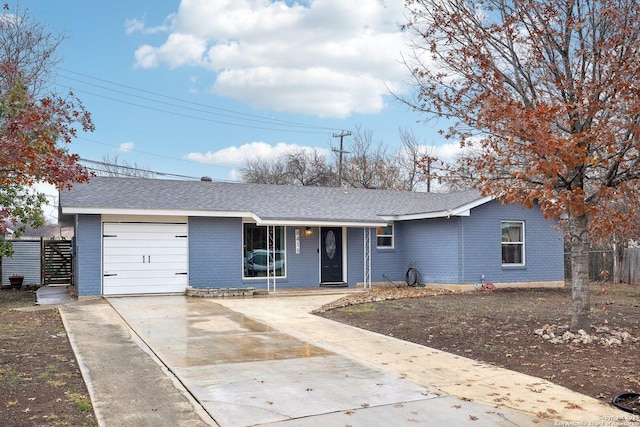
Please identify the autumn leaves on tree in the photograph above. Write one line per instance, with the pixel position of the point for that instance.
(35, 126)
(545, 96)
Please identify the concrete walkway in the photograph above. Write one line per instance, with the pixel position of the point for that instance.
(53, 295)
(128, 384)
(440, 371)
(267, 361)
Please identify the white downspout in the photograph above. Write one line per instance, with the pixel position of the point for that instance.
(367, 258)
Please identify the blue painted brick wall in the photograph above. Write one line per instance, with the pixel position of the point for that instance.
(303, 269)
(544, 259)
(215, 252)
(388, 264)
(355, 255)
(454, 250)
(88, 240)
(432, 245)
(461, 249)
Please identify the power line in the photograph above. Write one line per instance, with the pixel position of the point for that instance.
(195, 117)
(133, 169)
(261, 120)
(231, 113)
(151, 154)
(160, 155)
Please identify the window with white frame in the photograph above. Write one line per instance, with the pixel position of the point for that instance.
(384, 236)
(259, 255)
(512, 242)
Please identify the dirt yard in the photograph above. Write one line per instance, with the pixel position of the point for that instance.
(40, 383)
(524, 330)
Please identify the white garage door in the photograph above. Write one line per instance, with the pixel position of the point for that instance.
(144, 258)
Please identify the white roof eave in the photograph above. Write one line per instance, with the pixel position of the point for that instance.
(156, 212)
(222, 214)
(319, 223)
(464, 210)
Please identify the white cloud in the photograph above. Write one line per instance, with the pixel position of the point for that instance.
(330, 58)
(447, 152)
(238, 156)
(133, 25)
(334, 94)
(137, 25)
(125, 147)
(178, 50)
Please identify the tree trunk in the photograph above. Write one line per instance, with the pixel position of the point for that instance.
(616, 261)
(580, 306)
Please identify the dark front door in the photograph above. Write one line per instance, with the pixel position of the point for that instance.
(331, 255)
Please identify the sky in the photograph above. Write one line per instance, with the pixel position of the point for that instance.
(196, 87)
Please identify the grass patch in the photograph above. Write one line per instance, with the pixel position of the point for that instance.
(56, 383)
(11, 299)
(83, 402)
(360, 308)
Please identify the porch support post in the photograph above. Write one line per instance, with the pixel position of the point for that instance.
(367, 258)
(271, 254)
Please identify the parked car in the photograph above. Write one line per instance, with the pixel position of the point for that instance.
(255, 263)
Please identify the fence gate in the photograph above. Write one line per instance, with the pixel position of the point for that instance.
(57, 262)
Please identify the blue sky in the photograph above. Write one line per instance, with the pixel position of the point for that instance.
(196, 87)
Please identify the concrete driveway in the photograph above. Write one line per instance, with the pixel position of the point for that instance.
(267, 361)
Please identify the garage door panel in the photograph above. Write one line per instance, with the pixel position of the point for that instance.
(121, 242)
(126, 287)
(150, 235)
(148, 245)
(136, 253)
(134, 282)
(144, 258)
(143, 227)
(155, 275)
(176, 267)
(148, 261)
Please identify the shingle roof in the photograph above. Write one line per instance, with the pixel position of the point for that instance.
(267, 202)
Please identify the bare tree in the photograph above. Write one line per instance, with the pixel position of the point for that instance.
(459, 174)
(114, 166)
(368, 165)
(258, 171)
(409, 157)
(309, 167)
(27, 51)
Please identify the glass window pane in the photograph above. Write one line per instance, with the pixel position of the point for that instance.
(512, 242)
(385, 231)
(385, 241)
(511, 232)
(512, 254)
(384, 236)
(258, 256)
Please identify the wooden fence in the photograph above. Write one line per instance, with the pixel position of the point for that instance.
(630, 269)
(601, 265)
(41, 262)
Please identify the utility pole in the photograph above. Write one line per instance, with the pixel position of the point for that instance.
(429, 174)
(341, 135)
